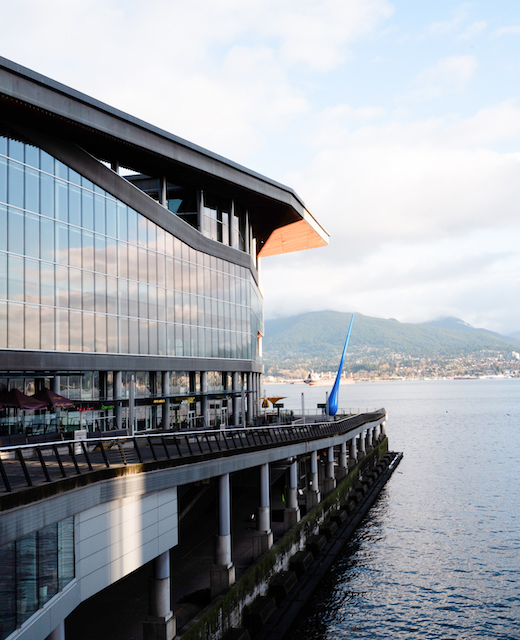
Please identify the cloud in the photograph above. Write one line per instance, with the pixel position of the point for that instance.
(446, 26)
(218, 74)
(503, 31)
(473, 30)
(449, 74)
(418, 214)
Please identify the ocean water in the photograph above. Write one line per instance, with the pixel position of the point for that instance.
(438, 556)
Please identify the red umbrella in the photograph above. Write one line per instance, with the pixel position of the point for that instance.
(15, 398)
(54, 399)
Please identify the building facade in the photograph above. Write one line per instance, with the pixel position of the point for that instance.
(130, 266)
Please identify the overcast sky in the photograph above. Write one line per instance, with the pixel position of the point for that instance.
(397, 123)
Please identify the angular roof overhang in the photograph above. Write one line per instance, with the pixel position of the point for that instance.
(280, 220)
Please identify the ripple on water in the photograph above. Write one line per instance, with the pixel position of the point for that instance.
(439, 554)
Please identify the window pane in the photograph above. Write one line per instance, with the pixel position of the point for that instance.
(132, 262)
(112, 334)
(142, 231)
(7, 592)
(101, 333)
(48, 562)
(75, 284)
(111, 256)
(15, 278)
(62, 200)
(47, 239)
(3, 226)
(88, 332)
(65, 552)
(152, 338)
(32, 281)
(62, 243)
(122, 222)
(3, 279)
(27, 577)
(99, 214)
(15, 230)
(3, 180)
(15, 187)
(123, 335)
(75, 331)
(123, 298)
(112, 295)
(132, 226)
(62, 330)
(3, 328)
(100, 253)
(143, 336)
(32, 190)
(32, 235)
(88, 250)
(111, 218)
(47, 195)
(74, 205)
(133, 332)
(88, 291)
(47, 328)
(122, 255)
(87, 209)
(143, 265)
(62, 286)
(101, 294)
(75, 251)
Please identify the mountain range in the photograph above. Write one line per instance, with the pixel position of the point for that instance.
(315, 340)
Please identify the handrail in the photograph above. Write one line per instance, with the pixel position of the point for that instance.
(27, 465)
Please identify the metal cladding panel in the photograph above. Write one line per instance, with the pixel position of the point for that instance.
(112, 134)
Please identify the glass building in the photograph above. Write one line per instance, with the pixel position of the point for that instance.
(129, 263)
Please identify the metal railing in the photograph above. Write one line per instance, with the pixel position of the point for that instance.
(30, 465)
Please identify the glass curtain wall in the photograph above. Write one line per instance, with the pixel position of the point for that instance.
(85, 272)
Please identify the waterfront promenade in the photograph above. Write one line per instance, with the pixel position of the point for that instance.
(187, 512)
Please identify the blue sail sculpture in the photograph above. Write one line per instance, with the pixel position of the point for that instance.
(333, 398)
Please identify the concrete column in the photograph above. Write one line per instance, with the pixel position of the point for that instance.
(204, 404)
(131, 406)
(368, 440)
(117, 395)
(236, 400)
(263, 537)
(58, 633)
(361, 446)
(374, 436)
(259, 394)
(382, 428)
(222, 574)
(160, 622)
(250, 397)
(55, 386)
(166, 406)
(352, 453)
(163, 196)
(313, 494)
(292, 511)
(114, 165)
(243, 401)
(342, 469)
(330, 480)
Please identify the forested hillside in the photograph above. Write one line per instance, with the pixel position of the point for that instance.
(315, 340)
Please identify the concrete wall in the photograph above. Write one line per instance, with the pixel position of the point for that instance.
(112, 539)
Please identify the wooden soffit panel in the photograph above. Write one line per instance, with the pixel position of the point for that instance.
(296, 236)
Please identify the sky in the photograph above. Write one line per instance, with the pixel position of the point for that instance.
(397, 123)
